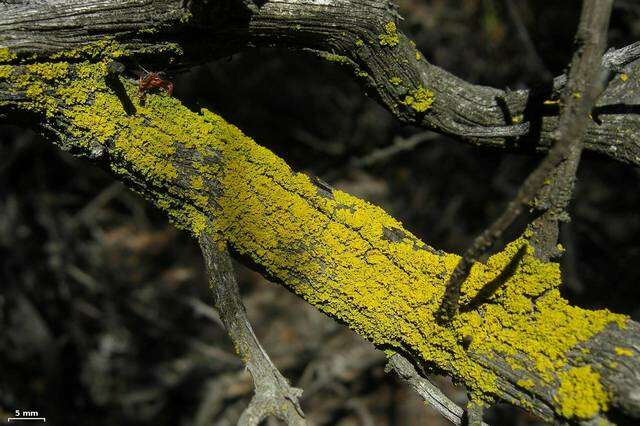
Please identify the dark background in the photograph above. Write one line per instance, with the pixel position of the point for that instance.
(104, 308)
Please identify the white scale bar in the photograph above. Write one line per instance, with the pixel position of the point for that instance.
(27, 418)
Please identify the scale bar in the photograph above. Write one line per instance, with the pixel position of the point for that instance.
(44, 419)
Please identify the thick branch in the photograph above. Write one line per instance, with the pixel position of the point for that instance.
(359, 34)
(516, 340)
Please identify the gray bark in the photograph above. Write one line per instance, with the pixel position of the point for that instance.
(348, 32)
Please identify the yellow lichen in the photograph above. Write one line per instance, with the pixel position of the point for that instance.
(197, 183)
(525, 383)
(623, 351)
(332, 57)
(106, 48)
(48, 71)
(148, 30)
(35, 82)
(580, 394)
(5, 72)
(6, 55)
(623, 76)
(332, 249)
(518, 118)
(396, 81)
(390, 36)
(420, 99)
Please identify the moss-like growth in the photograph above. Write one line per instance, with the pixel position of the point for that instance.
(420, 99)
(390, 35)
(5, 72)
(525, 383)
(148, 30)
(49, 71)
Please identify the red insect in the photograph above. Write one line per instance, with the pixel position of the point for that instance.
(153, 80)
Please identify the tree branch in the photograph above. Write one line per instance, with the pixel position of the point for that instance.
(516, 340)
(561, 163)
(427, 390)
(358, 34)
(273, 395)
(521, 343)
(587, 81)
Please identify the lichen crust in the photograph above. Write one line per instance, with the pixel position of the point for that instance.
(333, 251)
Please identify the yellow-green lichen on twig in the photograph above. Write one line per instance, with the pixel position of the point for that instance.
(525, 383)
(106, 48)
(581, 395)
(345, 256)
(332, 57)
(48, 71)
(110, 48)
(390, 35)
(35, 82)
(5, 72)
(420, 99)
(332, 252)
(623, 351)
(6, 55)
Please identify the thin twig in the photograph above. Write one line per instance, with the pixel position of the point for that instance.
(273, 395)
(475, 411)
(398, 146)
(583, 88)
(586, 76)
(427, 390)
